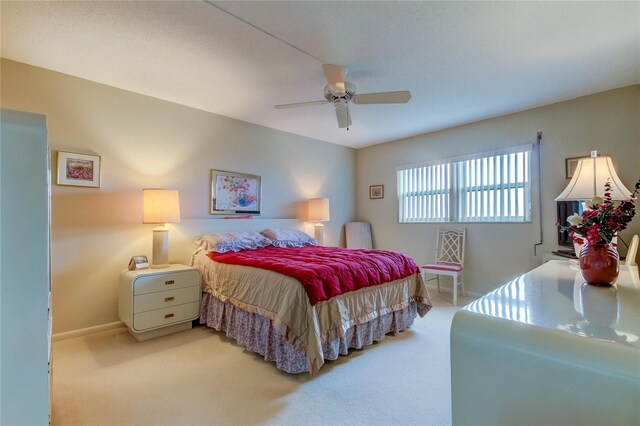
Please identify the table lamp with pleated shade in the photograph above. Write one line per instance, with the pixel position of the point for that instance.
(589, 178)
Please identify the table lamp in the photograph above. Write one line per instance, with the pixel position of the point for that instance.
(589, 178)
(318, 211)
(160, 206)
(588, 182)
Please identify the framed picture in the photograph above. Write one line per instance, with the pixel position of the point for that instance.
(376, 191)
(235, 193)
(78, 169)
(570, 165)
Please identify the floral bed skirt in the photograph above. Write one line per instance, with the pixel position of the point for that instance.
(257, 333)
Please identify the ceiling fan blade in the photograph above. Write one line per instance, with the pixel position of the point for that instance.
(301, 104)
(335, 78)
(382, 98)
(342, 114)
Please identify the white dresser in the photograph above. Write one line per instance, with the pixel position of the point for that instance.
(156, 302)
(547, 349)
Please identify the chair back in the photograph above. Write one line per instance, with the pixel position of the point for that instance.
(450, 246)
(632, 252)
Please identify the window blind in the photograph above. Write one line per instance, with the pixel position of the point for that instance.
(490, 187)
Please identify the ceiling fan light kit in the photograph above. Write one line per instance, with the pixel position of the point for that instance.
(340, 93)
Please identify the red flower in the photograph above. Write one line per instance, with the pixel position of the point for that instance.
(603, 220)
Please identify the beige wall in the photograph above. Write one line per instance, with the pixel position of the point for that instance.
(607, 122)
(146, 142)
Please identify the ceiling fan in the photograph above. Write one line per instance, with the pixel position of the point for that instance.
(340, 93)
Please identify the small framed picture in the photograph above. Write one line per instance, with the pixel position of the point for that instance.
(138, 262)
(78, 169)
(570, 165)
(376, 192)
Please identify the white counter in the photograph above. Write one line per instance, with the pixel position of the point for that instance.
(547, 349)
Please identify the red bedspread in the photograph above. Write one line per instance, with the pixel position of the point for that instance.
(326, 272)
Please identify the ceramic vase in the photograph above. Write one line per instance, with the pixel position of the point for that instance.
(599, 264)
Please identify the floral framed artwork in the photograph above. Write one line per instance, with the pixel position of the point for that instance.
(235, 193)
(78, 169)
(376, 192)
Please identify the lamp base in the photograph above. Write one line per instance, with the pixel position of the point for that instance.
(154, 266)
(319, 233)
(160, 257)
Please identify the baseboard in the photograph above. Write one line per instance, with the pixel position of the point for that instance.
(445, 289)
(88, 331)
(474, 294)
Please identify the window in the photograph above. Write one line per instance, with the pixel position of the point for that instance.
(489, 187)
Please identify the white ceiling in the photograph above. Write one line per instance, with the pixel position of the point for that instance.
(462, 61)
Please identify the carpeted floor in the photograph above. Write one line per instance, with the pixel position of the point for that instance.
(200, 377)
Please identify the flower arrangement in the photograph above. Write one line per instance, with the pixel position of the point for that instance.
(603, 220)
(235, 184)
(241, 193)
(80, 169)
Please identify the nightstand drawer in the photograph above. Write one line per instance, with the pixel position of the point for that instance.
(166, 281)
(165, 299)
(165, 316)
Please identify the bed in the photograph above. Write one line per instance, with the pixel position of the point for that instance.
(283, 302)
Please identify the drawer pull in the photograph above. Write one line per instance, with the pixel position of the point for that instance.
(168, 316)
(169, 282)
(169, 299)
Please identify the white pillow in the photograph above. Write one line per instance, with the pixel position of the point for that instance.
(222, 242)
(285, 237)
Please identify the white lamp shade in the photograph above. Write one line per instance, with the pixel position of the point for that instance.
(589, 178)
(318, 209)
(160, 206)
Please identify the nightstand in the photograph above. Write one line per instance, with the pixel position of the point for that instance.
(157, 302)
